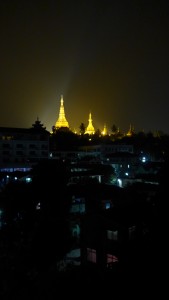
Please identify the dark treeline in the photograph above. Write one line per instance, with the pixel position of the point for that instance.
(155, 144)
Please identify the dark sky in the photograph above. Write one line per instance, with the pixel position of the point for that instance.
(110, 58)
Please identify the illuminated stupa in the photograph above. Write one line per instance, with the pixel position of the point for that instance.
(104, 132)
(61, 122)
(90, 129)
(131, 131)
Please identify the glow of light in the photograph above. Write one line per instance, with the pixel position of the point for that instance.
(112, 258)
(28, 179)
(38, 206)
(119, 182)
(108, 205)
(143, 159)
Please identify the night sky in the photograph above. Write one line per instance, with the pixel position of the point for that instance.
(110, 58)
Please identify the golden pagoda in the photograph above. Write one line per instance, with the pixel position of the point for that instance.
(61, 122)
(130, 131)
(90, 129)
(104, 131)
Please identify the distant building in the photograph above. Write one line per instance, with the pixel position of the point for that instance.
(110, 236)
(22, 147)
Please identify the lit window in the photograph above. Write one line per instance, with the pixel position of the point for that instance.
(119, 182)
(111, 259)
(38, 206)
(132, 232)
(107, 205)
(112, 235)
(91, 255)
(28, 179)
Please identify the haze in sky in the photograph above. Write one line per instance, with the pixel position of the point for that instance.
(106, 57)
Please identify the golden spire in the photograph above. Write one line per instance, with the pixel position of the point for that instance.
(90, 129)
(104, 132)
(61, 122)
(130, 131)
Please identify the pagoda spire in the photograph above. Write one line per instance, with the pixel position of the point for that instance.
(130, 131)
(104, 132)
(38, 125)
(61, 122)
(90, 129)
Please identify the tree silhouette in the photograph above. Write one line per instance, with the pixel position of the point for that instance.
(82, 128)
(114, 129)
